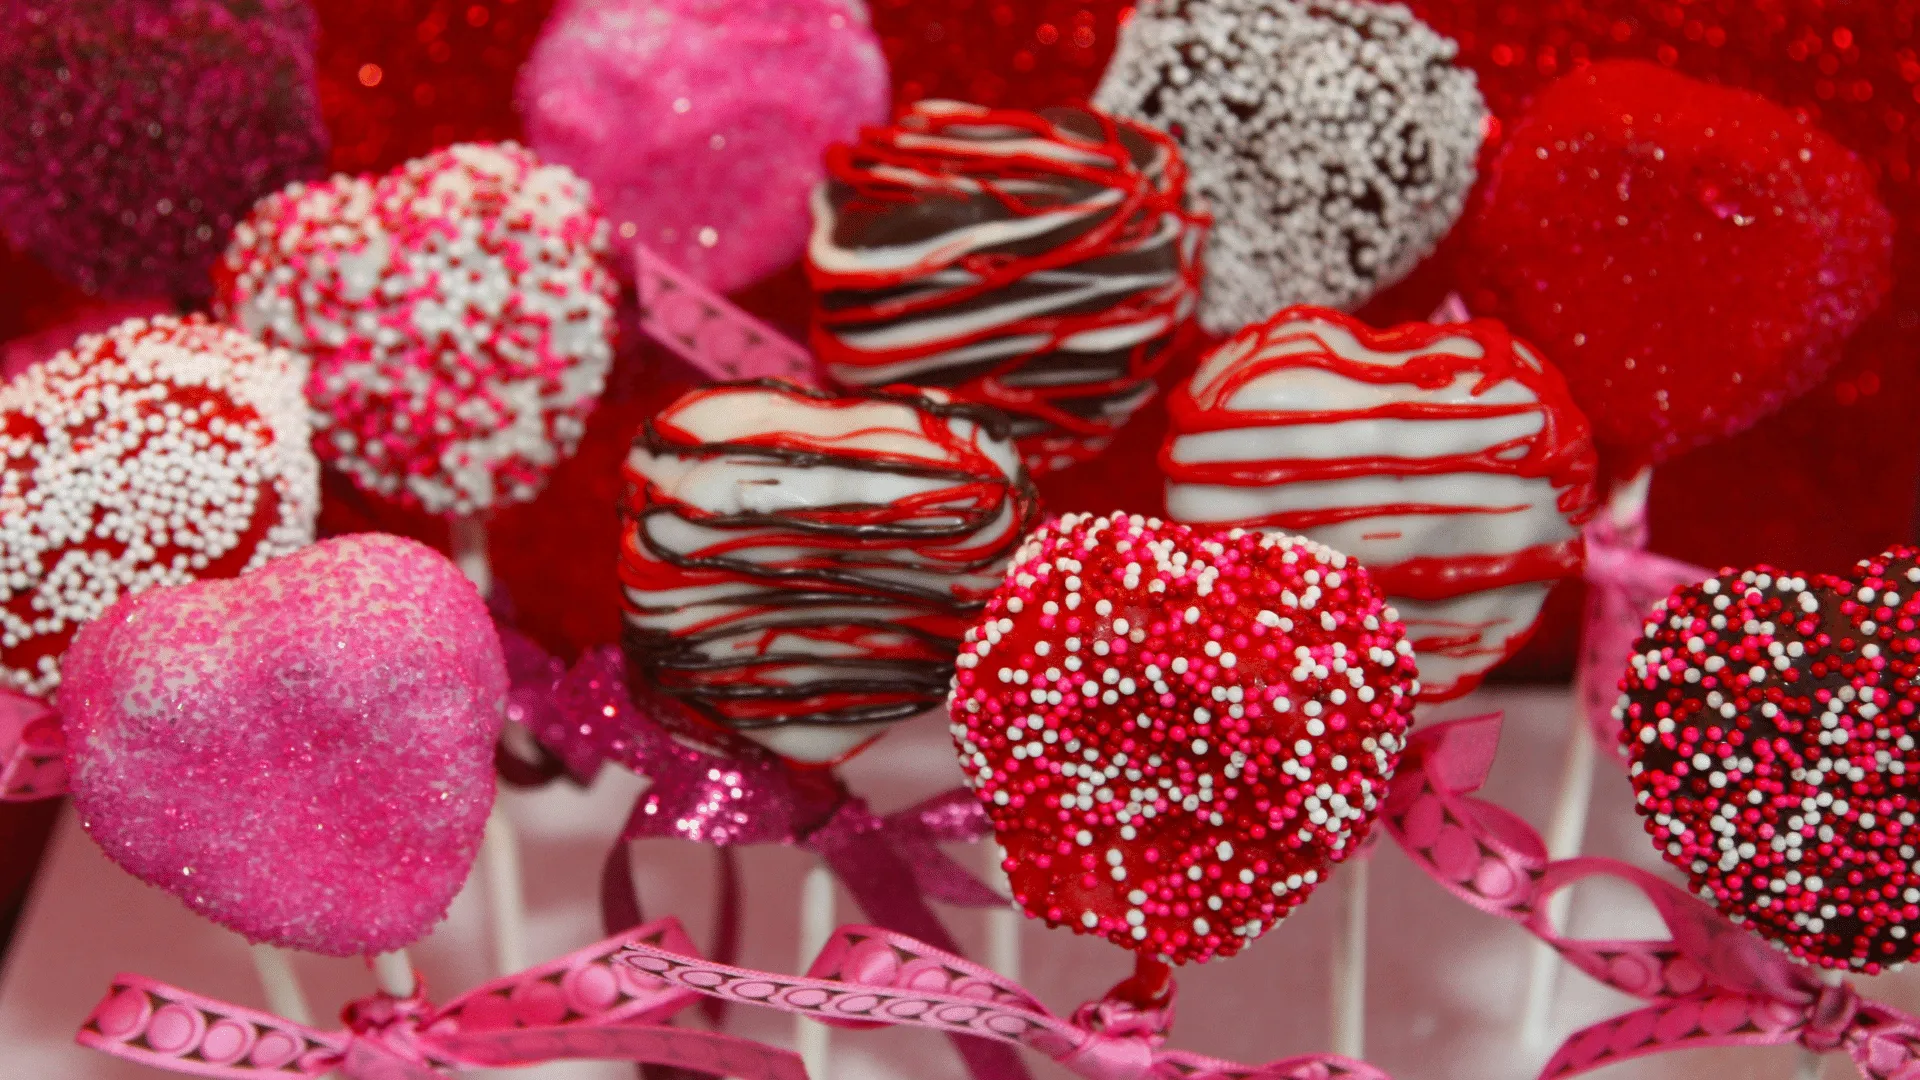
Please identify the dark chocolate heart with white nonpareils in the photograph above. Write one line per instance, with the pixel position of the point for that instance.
(1769, 719)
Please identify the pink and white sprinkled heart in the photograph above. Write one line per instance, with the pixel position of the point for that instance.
(458, 312)
(1177, 734)
(303, 754)
(1769, 718)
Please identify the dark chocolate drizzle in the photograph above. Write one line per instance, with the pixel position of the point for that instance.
(841, 566)
(1052, 388)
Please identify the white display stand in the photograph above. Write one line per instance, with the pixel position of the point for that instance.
(1443, 987)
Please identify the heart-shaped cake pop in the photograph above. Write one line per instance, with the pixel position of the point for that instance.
(1769, 718)
(1691, 257)
(458, 312)
(158, 453)
(303, 754)
(1178, 734)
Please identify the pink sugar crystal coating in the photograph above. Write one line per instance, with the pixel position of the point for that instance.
(303, 754)
(702, 123)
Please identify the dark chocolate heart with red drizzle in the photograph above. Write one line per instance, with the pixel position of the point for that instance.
(1178, 734)
(1769, 720)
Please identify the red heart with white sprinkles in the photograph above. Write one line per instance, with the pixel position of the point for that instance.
(1768, 717)
(1177, 734)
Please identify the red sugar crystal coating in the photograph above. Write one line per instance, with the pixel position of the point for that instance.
(303, 754)
(1178, 734)
(157, 453)
(1769, 717)
(1691, 257)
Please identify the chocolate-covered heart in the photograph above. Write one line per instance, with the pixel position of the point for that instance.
(303, 754)
(1177, 734)
(1768, 717)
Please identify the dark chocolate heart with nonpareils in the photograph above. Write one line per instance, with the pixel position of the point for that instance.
(1768, 718)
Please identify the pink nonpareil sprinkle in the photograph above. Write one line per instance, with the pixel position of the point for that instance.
(702, 123)
(303, 754)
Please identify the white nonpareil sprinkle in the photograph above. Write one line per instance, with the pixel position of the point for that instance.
(1334, 141)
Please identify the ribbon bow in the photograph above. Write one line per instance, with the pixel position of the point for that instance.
(1709, 984)
(1624, 583)
(586, 713)
(868, 977)
(33, 762)
(583, 1005)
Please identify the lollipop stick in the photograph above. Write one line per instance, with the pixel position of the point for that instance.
(500, 857)
(1567, 828)
(282, 986)
(1003, 923)
(1810, 1060)
(1350, 963)
(811, 1037)
(500, 850)
(393, 972)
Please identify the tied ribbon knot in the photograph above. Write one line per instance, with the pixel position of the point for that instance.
(583, 1005)
(33, 753)
(1709, 984)
(869, 977)
(587, 714)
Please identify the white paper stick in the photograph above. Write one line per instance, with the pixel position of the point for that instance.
(812, 1038)
(1349, 1005)
(469, 543)
(506, 905)
(1003, 923)
(500, 848)
(393, 972)
(1567, 828)
(285, 998)
(1810, 1062)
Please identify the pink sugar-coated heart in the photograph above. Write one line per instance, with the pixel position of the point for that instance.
(303, 754)
(702, 124)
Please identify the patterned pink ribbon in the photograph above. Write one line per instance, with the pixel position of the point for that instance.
(1624, 583)
(1710, 984)
(868, 977)
(33, 753)
(587, 1004)
(705, 330)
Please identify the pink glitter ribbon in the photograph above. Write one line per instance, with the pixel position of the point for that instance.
(1625, 582)
(1710, 984)
(705, 330)
(587, 1004)
(867, 977)
(33, 753)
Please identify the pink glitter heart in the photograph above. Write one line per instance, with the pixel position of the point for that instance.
(302, 754)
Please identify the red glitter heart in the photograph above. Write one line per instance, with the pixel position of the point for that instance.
(1692, 257)
(1769, 717)
(1177, 735)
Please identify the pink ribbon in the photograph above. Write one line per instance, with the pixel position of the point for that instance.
(702, 328)
(868, 977)
(892, 865)
(33, 753)
(1709, 984)
(587, 1004)
(1625, 582)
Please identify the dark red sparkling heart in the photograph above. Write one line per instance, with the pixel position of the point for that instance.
(1178, 734)
(1769, 719)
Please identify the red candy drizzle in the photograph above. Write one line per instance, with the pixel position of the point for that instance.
(1116, 193)
(1769, 717)
(1177, 735)
(819, 612)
